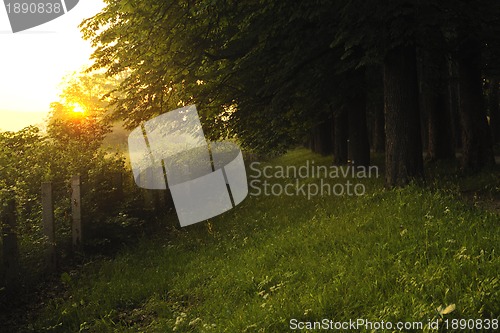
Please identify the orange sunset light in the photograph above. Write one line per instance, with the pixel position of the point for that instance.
(77, 108)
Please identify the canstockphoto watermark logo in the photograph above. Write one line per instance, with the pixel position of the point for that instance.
(170, 151)
(26, 14)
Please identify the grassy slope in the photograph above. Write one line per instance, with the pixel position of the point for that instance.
(389, 255)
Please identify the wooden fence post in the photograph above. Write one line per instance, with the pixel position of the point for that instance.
(76, 209)
(48, 226)
(10, 243)
(161, 202)
(147, 195)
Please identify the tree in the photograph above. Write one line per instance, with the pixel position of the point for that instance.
(476, 136)
(341, 137)
(402, 120)
(494, 109)
(470, 30)
(82, 114)
(434, 104)
(267, 80)
(270, 71)
(321, 138)
(358, 132)
(387, 35)
(375, 107)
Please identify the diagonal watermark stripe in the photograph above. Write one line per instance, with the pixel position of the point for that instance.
(26, 14)
(170, 151)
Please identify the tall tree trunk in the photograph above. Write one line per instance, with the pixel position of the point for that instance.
(322, 137)
(422, 100)
(494, 108)
(359, 146)
(476, 137)
(379, 130)
(375, 107)
(402, 120)
(454, 101)
(440, 132)
(433, 88)
(340, 134)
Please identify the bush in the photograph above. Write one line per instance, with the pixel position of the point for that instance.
(28, 158)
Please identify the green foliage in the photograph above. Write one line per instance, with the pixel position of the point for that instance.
(407, 254)
(71, 146)
(28, 158)
(258, 76)
(23, 167)
(83, 113)
(277, 66)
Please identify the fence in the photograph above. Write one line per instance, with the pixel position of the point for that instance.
(9, 228)
(10, 241)
(152, 201)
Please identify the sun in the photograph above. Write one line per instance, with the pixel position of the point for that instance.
(77, 108)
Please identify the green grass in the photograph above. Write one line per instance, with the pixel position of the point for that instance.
(393, 255)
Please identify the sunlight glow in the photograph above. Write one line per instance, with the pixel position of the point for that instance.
(77, 108)
(33, 63)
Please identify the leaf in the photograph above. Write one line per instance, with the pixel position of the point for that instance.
(449, 309)
(65, 278)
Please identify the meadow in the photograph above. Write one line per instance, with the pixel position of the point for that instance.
(419, 254)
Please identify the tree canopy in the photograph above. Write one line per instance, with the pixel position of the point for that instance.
(267, 72)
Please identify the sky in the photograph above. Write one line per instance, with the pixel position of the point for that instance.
(33, 63)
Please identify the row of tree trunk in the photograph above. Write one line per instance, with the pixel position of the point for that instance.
(431, 102)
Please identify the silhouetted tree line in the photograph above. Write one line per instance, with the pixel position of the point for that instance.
(399, 76)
